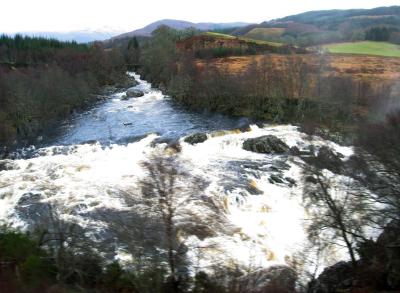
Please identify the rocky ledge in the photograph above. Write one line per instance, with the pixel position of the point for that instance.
(196, 138)
(268, 144)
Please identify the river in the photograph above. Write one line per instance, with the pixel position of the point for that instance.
(97, 155)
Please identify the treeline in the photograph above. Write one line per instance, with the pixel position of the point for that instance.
(43, 80)
(24, 50)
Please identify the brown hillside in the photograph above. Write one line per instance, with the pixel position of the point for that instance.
(359, 67)
(202, 42)
(218, 41)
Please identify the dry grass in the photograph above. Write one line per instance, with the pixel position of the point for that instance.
(246, 39)
(219, 35)
(359, 67)
(265, 33)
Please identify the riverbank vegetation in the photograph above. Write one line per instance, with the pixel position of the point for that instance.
(44, 80)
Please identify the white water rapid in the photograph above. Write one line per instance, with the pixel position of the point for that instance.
(260, 222)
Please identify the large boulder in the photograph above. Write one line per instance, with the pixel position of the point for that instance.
(267, 144)
(277, 278)
(245, 128)
(108, 90)
(388, 245)
(295, 151)
(196, 138)
(329, 159)
(127, 83)
(326, 159)
(336, 278)
(134, 93)
(172, 144)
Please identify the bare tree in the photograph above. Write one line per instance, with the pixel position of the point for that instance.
(377, 164)
(339, 208)
(169, 191)
(66, 241)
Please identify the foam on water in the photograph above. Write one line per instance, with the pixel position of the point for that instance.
(270, 225)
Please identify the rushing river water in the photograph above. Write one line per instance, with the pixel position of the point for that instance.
(260, 221)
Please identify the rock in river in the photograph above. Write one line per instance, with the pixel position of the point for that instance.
(266, 145)
(326, 159)
(134, 93)
(196, 138)
(275, 179)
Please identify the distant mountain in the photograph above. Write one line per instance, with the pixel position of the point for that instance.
(179, 25)
(82, 36)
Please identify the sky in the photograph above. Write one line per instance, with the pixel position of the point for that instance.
(127, 15)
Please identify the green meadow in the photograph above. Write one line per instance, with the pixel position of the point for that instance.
(365, 48)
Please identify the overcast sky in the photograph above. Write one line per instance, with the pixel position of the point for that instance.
(126, 15)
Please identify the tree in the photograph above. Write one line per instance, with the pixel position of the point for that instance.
(159, 55)
(167, 193)
(379, 34)
(339, 208)
(74, 258)
(133, 43)
(132, 53)
(377, 164)
(23, 264)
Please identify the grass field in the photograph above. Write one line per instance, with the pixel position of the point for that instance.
(225, 36)
(219, 35)
(365, 48)
(265, 33)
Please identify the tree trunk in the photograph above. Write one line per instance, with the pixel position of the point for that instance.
(339, 221)
(350, 248)
(170, 246)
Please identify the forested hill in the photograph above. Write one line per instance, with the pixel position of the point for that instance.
(179, 25)
(333, 18)
(317, 27)
(43, 80)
